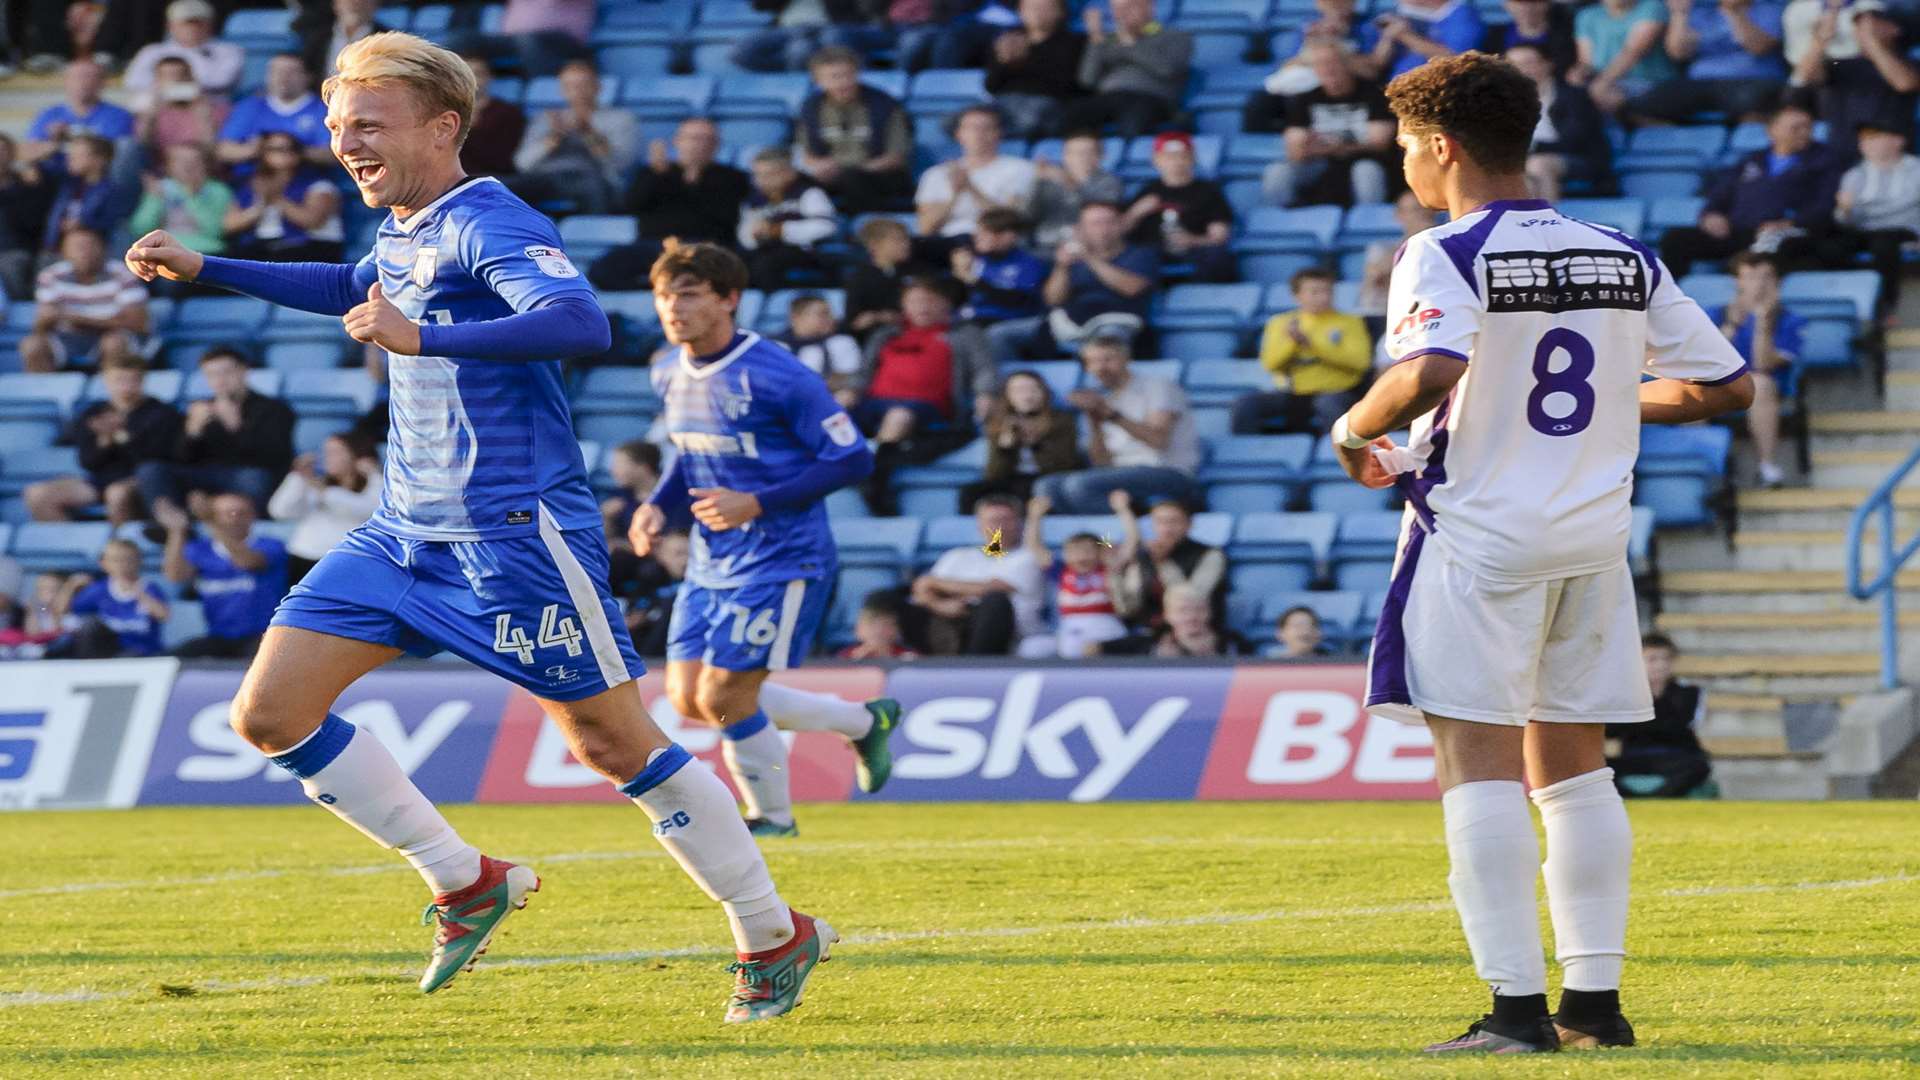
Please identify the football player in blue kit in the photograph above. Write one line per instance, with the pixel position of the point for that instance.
(760, 442)
(488, 541)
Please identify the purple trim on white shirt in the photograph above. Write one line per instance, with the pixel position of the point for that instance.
(1724, 379)
(1434, 350)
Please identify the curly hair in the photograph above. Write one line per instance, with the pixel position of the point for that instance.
(1482, 101)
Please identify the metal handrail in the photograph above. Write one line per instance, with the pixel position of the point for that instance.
(1879, 505)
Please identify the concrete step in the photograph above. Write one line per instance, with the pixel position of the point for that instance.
(1854, 468)
(1768, 590)
(1903, 389)
(1794, 776)
(1865, 422)
(1743, 716)
(1777, 631)
(1763, 549)
(1807, 673)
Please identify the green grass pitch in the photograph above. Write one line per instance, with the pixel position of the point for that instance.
(997, 941)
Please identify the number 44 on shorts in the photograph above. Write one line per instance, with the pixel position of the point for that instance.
(555, 629)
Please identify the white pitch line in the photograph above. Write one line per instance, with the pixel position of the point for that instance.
(882, 938)
(800, 847)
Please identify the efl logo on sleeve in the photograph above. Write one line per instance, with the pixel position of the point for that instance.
(552, 262)
(839, 427)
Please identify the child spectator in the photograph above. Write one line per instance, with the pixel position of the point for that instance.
(873, 288)
(876, 630)
(1767, 336)
(1662, 759)
(113, 438)
(1083, 583)
(40, 618)
(240, 577)
(1318, 358)
(1879, 204)
(1004, 279)
(634, 467)
(120, 614)
(782, 219)
(1297, 635)
(328, 498)
(187, 202)
(818, 342)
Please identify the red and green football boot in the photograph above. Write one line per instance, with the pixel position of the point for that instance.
(469, 917)
(769, 984)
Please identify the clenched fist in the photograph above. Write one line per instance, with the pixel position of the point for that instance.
(158, 254)
(378, 322)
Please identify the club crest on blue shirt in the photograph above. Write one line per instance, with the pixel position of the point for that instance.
(425, 262)
(733, 405)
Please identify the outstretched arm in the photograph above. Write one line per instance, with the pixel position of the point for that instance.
(327, 288)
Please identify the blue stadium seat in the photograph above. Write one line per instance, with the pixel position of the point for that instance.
(586, 237)
(289, 324)
(1640, 541)
(1211, 422)
(1344, 496)
(1815, 293)
(616, 386)
(300, 355)
(1709, 290)
(1275, 266)
(884, 542)
(945, 531)
(635, 61)
(1679, 471)
(1305, 228)
(756, 95)
(42, 546)
(1231, 14)
(186, 621)
(1746, 138)
(715, 15)
(945, 90)
(220, 318)
(1626, 215)
(1673, 212)
(1275, 537)
(49, 396)
(926, 502)
(394, 17)
(32, 465)
(1110, 151)
(611, 426)
(1646, 185)
(1828, 343)
(1061, 376)
(1202, 342)
(851, 589)
(1222, 122)
(773, 312)
(432, 19)
(1222, 382)
(1240, 497)
(1256, 457)
(263, 25)
(1248, 155)
(1680, 148)
(669, 97)
(1210, 528)
(846, 503)
(543, 92)
(1368, 222)
(1264, 578)
(18, 435)
(1703, 445)
(345, 392)
(159, 385)
(1339, 612)
(262, 381)
(1243, 614)
(310, 432)
(1207, 307)
(745, 134)
(1227, 88)
(1218, 49)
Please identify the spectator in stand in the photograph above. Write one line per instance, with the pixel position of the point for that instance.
(287, 104)
(1417, 31)
(327, 496)
(215, 64)
(1733, 65)
(352, 20)
(853, 138)
(1339, 135)
(113, 438)
(929, 375)
(81, 112)
(1140, 435)
(580, 152)
(953, 195)
(1854, 58)
(118, 614)
(1186, 217)
(1337, 24)
(1663, 758)
(876, 630)
(634, 467)
(1061, 190)
(186, 202)
(88, 310)
(873, 287)
(921, 33)
(1134, 74)
(1170, 557)
(287, 211)
(1570, 141)
(1034, 71)
(797, 32)
(1767, 336)
(1878, 206)
(1318, 358)
(1297, 635)
(1779, 199)
(1004, 279)
(1546, 26)
(85, 194)
(235, 441)
(542, 34)
(498, 126)
(782, 220)
(1190, 630)
(239, 577)
(979, 599)
(651, 589)
(1083, 585)
(1622, 52)
(176, 111)
(814, 339)
(24, 200)
(1099, 285)
(1027, 438)
(686, 194)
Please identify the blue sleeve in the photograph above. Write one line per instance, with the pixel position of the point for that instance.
(825, 429)
(517, 254)
(327, 288)
(87, 600)
(239, 125)
(564, 327)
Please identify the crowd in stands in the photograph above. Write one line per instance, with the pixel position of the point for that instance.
(935, 258)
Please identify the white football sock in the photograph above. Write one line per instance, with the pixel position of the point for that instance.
(349, 771)
(1495, 859)
(756, 755)
(1589, 864)
(694, 818)
(803, 710)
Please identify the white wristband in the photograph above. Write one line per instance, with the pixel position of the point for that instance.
(1346, 438)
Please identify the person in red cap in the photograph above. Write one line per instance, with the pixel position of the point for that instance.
(1186, 217)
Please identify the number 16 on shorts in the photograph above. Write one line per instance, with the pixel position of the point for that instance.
(555, 629)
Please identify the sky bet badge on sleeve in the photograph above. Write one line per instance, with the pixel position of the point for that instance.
(77, 734)
(552, 262)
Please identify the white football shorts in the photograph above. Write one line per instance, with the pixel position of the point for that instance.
(1454, 643)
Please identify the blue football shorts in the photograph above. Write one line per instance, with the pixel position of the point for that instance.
(749, 628)
(534, 610)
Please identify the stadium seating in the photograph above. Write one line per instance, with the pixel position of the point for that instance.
(45, 396)
(62, 546)
(1680, 471)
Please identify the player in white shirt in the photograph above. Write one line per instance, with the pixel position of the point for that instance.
(1520, 338)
